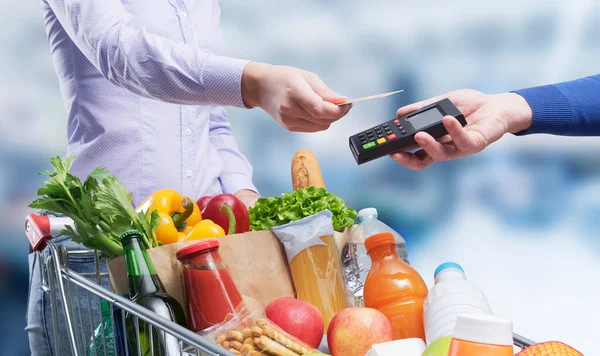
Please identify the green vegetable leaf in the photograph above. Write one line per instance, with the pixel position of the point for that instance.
(100, 207)
(275, 211)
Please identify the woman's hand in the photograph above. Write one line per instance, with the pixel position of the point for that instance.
(297, 99)
(248, 197)
(488, 117)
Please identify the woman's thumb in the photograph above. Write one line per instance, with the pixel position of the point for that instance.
(333, 97)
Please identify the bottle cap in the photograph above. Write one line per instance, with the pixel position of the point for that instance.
(187, 251)
(367, 212)
(380, 239)
(483, 329)
(447, 265)
(130, 233)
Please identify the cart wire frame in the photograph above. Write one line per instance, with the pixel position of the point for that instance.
(71, 290)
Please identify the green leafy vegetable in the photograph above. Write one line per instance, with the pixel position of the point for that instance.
(270, 212)
(100, 207)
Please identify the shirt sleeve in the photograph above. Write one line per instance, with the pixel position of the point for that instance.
(237, 172)
(569, 108)
(145, 63)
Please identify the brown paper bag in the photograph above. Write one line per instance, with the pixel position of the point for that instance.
(256, 261)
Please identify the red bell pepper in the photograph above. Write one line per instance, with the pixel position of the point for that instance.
(227, 211)
(203, 201)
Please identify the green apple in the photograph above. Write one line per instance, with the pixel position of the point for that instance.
(439, 347)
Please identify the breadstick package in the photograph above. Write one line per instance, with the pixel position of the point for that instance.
(250, 333)
(315, 263)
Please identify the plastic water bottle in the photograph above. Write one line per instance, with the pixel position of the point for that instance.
(451, 296)
(356, 261)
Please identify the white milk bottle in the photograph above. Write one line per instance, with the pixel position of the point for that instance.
(356, 261)
(451, 295)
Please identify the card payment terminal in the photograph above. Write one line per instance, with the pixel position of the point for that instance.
(399, 134)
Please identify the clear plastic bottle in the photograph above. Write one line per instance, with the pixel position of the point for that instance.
(356, 261)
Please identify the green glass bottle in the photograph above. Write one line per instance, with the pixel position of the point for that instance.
(146, 289)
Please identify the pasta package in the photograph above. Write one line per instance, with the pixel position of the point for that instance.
(315, 263)
(250, 333)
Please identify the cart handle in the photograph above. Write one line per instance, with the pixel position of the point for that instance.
(41, 228)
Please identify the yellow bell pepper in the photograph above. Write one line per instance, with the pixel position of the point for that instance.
(205, 229)
(178, 214)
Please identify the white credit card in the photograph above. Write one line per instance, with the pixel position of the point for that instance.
(370, 97)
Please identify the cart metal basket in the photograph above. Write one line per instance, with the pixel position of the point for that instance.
(75, 299)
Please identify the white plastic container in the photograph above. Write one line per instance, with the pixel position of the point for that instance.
(451, 295)
(356, 261)
(404, 347)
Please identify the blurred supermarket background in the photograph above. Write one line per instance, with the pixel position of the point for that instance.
(523, 217)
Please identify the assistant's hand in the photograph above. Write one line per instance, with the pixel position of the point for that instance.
(488, 117)
(297, 99)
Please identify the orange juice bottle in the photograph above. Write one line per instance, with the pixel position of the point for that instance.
(394, 288)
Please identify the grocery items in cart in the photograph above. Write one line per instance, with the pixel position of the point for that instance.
(452, 294)
(298, 318)
(353, 331)
(549, 348)
(146, 289)
(481, 334)
(404, 347)
(315, 263)
(355, 259)
(258, 270)
(394, 288)
(210, 293)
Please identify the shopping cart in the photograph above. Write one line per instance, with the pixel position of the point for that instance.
(72, 294)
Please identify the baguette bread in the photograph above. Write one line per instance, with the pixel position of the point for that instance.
(306, 171)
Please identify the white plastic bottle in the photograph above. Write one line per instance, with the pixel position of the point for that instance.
(356, 261)
(451, 295)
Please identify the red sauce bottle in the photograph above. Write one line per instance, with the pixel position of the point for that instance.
(210, 294)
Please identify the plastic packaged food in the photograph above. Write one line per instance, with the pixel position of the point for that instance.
(210, 293)
(315, 263)
(250, 333)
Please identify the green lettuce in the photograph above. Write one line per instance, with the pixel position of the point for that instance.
(270, 212)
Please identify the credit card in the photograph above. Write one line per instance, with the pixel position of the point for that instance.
(370, 97)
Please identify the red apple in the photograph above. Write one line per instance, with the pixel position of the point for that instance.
(298, 318)
(353, 331)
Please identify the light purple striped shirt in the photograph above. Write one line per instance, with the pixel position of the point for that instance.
(145, 83)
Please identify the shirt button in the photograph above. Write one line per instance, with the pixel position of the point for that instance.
(188, 173)
(187, 132)
(183, 14)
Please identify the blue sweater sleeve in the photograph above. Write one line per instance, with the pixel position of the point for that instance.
(569, 108)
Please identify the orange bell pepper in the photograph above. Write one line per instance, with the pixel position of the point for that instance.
(178, 214)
